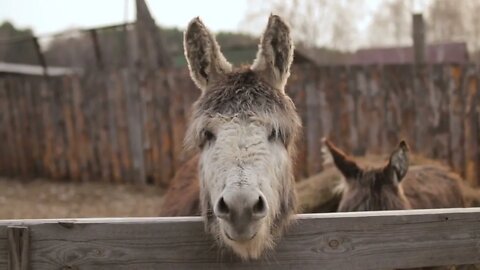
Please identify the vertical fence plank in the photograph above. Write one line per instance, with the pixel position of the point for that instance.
(314, 132)
(146, 99)
(164, 132)
(5, 166)
(456, 119)
(35, 123)
(103, 127)
(177, 119)
(134, 120)
(472, 148)
(113, 129)
(121, 111)
(15, 93)
(81, 140)
(70, 134)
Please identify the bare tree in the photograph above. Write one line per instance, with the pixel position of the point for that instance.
(313, 22)
(445, 20)
(391, 24)
(471, 11)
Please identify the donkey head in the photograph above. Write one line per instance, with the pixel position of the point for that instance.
(372, 189)
(245, 126)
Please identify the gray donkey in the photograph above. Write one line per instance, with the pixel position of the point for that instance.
(244, 126)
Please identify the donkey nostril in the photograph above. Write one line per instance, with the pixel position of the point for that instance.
(260, 207)
(221, 209)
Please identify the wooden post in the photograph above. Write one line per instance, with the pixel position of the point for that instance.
(149, 40)
(41, 57)
(418, 39)
(96, 48)
(18, 247)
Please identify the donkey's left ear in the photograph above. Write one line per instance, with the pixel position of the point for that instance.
(275, 53)
(345, 164)
(398, 164)
(205, 60)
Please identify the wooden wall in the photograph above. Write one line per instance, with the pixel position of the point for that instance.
(128, 127)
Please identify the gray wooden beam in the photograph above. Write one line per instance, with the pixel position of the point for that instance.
(368, 240)
(18, 247)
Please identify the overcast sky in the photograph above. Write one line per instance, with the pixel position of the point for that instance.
(48, 16)
(51, 16)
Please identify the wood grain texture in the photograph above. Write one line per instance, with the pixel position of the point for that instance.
(368, 240)
(120, 125)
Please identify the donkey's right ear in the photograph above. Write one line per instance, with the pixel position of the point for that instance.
(205, 60)
(344, 164)
(275, 53)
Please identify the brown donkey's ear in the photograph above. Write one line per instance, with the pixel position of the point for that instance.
(398, 164)
(275, 53)
(344, 163)
(205, 60)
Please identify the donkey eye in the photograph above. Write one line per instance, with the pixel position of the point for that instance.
(208, 135)
(273, 135)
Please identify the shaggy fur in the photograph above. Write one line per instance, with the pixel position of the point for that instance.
(245, 127)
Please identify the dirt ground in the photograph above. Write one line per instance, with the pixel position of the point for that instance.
(42, 198)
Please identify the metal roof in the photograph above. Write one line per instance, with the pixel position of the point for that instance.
(454, 52)
(35, 70)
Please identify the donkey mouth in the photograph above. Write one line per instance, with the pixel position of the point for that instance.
(240, 239)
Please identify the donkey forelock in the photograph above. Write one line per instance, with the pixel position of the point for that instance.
(245, 127)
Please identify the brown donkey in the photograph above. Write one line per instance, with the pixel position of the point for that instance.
(244, 126)
(395, 186)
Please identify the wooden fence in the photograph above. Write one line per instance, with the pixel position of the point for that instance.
(362, 240)
(103, 126)
(121, 126)
(370, 109)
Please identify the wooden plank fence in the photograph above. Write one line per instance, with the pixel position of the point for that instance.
(120, 126)
(358, 240)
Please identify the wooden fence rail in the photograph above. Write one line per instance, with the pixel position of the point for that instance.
(122, 126)
(362, 240)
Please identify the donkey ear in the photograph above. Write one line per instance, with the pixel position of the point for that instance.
(205, 60)
(344, 164)
(398, 164)
(275, 53)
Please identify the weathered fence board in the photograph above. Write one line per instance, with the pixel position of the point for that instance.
(362, 240)
(121, 126)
